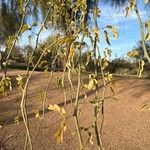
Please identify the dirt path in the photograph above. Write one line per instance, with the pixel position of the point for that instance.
(125, 126)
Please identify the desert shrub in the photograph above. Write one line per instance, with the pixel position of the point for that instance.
(122, 66)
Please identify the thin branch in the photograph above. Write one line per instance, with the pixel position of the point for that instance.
(98, 136)
(23, 108)
(76, 107)
(146, 55)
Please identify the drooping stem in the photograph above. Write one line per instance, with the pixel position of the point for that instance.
(96, 96)
(146, 55)
(76, 107)
(23, 101)
(103, 93)
(45, 97)
(98, 136)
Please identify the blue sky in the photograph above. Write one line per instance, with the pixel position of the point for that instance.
(128, 29)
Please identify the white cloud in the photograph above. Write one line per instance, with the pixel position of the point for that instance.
(113, 16)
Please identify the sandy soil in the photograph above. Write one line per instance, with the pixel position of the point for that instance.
(125, 126)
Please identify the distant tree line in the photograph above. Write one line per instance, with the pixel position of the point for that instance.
(20, 56)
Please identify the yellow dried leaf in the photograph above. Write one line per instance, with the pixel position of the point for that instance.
(19, 78)
(91, 139)
(59, 136)
(147, 37)
(24, 28)
(59, 133)
(108, 76)
(104, 64)
(37, 115)
(147, 25)
(57, 108)
(20, 81)
(63, 111)
(68, 40)
(96, 12)
(16, 120)
(133, 53)
(51, 107)
(92, 82)
(132, 3)
(115, 32)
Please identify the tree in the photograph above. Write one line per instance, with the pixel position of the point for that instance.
(63, 13)
(27, 51)
(8, 27)
(73, 18)
(11, 9)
